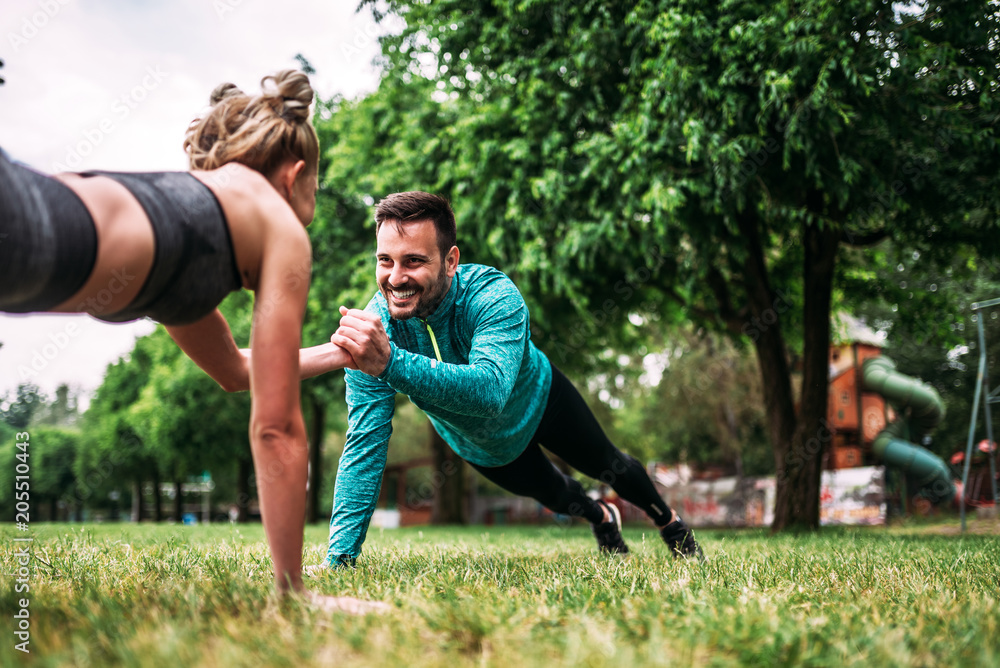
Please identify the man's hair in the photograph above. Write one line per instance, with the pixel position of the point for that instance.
(399, 208)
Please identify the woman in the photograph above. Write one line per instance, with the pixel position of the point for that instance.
(170, 246)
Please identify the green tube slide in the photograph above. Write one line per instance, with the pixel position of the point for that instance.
(893, 444)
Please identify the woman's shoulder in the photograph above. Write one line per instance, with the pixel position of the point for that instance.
(260, 221)
(246, 194)
(234, 179)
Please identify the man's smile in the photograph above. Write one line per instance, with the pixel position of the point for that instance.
(402, 294)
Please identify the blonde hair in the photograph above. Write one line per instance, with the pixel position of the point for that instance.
(260, 132)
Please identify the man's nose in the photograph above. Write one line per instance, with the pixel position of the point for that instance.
(397, 276)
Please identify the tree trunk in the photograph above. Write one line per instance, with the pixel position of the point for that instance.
(243, 490)
(317, 427)
(797, 503)
(447, 506)
(138, 507)
(157, 501)
(764, 328)
(178, 501)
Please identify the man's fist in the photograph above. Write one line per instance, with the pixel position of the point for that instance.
(363, 336)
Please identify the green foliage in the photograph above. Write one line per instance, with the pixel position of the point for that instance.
(53, 452)
(17, 411)
(49, 453)
(62, 410)
(158, 416)
(501, 596)
(7, 464)
(589, 134)
(187, 422)
(694, 398)
(112, 453)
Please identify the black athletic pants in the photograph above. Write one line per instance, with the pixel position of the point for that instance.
(570, 430)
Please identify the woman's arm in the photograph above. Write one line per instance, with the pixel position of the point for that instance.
(277, 432)
(209, 343)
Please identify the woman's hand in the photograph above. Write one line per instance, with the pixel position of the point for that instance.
(352, 606)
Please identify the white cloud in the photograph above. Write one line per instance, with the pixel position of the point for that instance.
(112, 84)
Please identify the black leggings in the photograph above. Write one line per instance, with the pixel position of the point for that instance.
(570, 431)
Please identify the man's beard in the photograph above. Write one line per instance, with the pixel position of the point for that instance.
(427, 299)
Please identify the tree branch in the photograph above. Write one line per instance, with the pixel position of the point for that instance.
(860, 239)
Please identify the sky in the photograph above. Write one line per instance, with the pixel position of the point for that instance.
(112, 85)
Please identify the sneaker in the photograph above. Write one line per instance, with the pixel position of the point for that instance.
(680, 539)
(609, 534)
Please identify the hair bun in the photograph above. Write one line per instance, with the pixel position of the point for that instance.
(296, 94)
(261, 132)
(222, 91)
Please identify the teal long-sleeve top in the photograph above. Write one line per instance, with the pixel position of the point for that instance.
(485, 396)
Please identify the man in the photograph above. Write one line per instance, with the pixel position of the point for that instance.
(456, 340)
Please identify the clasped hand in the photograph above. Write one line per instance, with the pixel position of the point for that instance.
(362, 335)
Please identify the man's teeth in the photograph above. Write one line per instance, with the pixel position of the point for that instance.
(403, 294)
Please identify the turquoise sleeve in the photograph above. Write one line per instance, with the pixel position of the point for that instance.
(482, 387)
(370, 407)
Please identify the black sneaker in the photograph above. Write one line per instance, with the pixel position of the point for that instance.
(680, 539)
(609, 534)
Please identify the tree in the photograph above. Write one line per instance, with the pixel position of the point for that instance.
(53, 446)
(749, 143)
(61, 411)
(188, 423)
(8, 450)
(113, 456)
(694, 397)
(19, 410)
(53, 451)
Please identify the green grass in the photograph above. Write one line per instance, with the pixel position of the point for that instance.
(510, 596)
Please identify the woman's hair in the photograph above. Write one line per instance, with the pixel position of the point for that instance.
(260, 132)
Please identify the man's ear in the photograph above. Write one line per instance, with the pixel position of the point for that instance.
(451, 261)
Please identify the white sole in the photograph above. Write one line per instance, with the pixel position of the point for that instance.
(615, 514)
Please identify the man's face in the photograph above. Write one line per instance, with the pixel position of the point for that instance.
(411, 274)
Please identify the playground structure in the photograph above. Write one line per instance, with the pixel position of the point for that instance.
(988, 397)
(879, 414)
(894, 445)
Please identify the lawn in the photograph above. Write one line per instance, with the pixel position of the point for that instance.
(510, 596)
